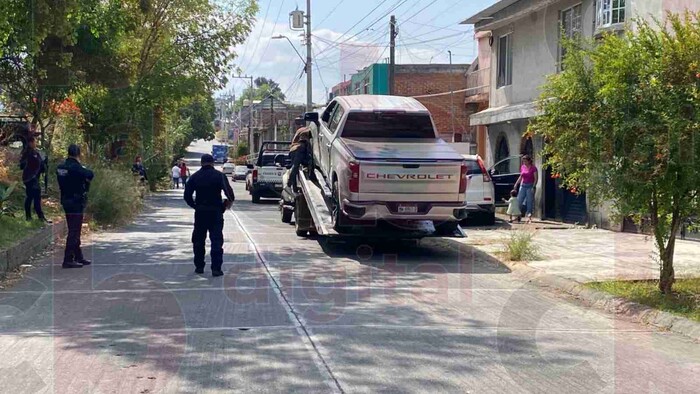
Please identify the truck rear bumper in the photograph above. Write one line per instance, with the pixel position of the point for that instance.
(374, 210)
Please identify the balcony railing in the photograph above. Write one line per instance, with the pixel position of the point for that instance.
(478, 81)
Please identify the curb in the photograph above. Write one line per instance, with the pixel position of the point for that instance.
(609, 303)
(25, 249)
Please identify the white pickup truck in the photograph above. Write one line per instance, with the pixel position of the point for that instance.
(265, 178)
(382, 160)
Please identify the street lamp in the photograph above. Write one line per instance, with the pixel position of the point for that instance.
(280, 37)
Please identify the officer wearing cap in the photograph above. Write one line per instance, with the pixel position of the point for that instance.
(206, 185)
(74, 182)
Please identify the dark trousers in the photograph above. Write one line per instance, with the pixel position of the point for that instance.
(74, 221)
(33, 190)
(299, 157)
(211, 221)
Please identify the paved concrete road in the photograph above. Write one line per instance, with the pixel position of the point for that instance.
(311, 315)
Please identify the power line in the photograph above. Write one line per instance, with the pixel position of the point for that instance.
(398, 4)
(319, 72)
(418, 12)
(257, 42)
(279, 12)
(330, 13)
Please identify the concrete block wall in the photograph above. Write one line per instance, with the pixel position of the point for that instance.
(23, 251)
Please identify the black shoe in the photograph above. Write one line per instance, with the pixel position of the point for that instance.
(45, 220)
(71, 264)
(85, 262)
(29, 218)
(199, 271)
(217, 273)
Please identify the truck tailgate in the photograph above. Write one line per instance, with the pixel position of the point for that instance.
(418, 181)
(270, 175)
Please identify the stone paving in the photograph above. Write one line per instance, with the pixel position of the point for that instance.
(587, 255)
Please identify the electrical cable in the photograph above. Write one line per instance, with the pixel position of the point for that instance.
(257, 42)
(279, 12)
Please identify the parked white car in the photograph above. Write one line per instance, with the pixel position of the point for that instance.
(481, 206)
(240, 172)
(228, 168)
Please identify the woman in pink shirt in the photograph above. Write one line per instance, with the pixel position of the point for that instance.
(527, 181)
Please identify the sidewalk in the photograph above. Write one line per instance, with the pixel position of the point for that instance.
(586, 255)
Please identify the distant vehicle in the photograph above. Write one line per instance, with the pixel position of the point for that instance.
(382, 159)
(481, 206)
(265, 179)
(220, 153)
(228, 168)
(240, 172)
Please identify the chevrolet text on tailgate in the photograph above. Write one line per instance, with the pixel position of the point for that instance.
(382, 160)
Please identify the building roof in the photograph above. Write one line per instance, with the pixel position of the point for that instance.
(487, 13)
(363, 102)
(505, 12)
(506, 113)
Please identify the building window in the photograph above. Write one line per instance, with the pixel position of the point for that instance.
(366, 87)
(571, 27)
(505, 61)
(609, 12)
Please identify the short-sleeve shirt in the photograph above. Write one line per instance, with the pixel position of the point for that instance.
(528, 174)
(176, 172)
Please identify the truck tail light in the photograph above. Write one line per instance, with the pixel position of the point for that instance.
(255, 175)
(463, 178)
(354, 181)
(487, 177)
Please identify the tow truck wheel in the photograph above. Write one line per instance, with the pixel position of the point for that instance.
(287, 215)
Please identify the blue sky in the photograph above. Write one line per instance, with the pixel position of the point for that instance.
(427, 30)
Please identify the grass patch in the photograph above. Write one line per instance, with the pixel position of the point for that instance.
(520, 246)
(14, 228)
(685, 300)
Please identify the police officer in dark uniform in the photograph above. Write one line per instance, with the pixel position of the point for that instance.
(207, 185)
(32, 165)
(74, 182)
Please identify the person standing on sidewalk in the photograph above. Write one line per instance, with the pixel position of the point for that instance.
(74, 182)
(527, 181)
(176, 176)
(184, 172)
(206, 185)
(32, 165)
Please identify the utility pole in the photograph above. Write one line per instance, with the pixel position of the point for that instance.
(452, 100)
(309, 87)
(392, 53)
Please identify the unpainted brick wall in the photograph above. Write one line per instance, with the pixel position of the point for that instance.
(417, 84)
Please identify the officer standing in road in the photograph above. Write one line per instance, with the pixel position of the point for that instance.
(74, 182)
(207, 185)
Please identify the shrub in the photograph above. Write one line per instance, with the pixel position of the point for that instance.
(520, 246)
(114, 196)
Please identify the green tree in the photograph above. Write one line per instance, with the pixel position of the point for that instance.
(262, 88)
(622, 120)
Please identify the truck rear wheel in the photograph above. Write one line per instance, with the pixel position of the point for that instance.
(255, 197)
(338, 216)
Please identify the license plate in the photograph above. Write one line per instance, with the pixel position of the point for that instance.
(408, 209)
